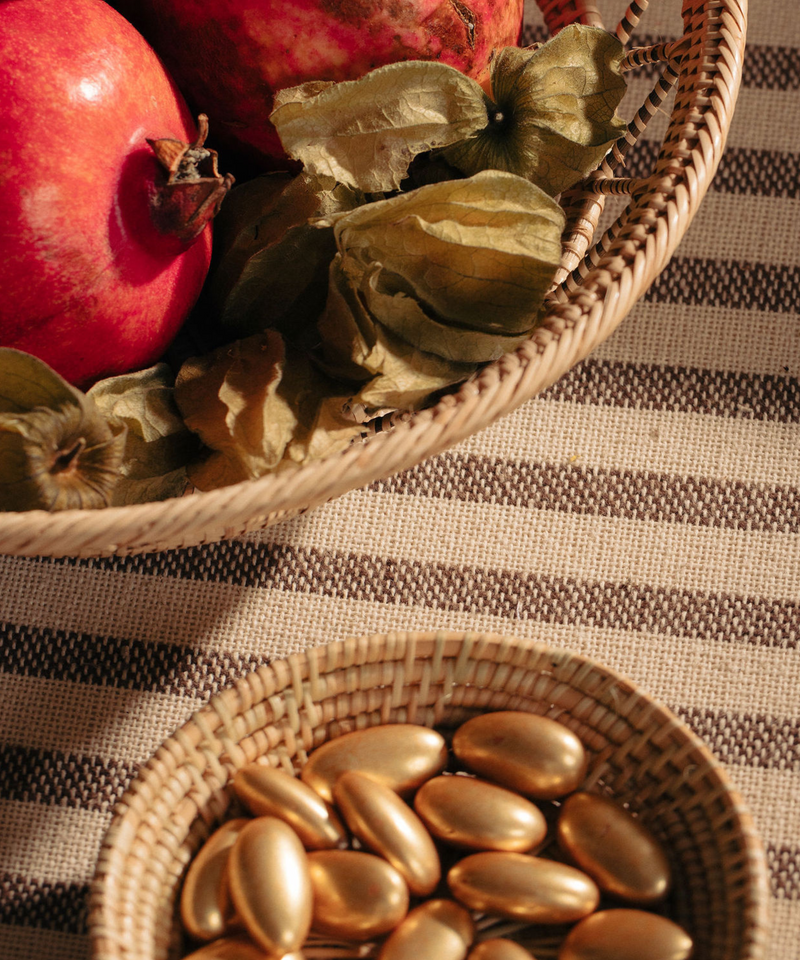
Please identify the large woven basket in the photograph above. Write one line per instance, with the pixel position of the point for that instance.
(602, 275)
(638, 749)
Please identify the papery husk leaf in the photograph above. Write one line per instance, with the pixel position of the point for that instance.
(59, 458)
(272, 263)
(247, 212)
(404, 316)
(327, 430)
(479, 252)
(158, 444)
(302, 92)
(366, 132)
(323, 426)
(555, 115)
(397, 375)
(230, 399)
(27, 382)
(127, 492)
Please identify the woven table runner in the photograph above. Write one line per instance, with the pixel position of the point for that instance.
(644, 511)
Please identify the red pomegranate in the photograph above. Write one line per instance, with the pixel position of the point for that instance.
(103, 246)
(230, 56)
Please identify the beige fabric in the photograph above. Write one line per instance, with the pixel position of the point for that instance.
(645, 510)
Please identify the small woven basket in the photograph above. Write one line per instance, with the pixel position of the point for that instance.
(639, 751)
(602, 275)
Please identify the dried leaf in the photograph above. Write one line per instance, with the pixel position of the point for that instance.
(323, 427)
(303, 92)
(272, 266)
(26, 382)
(554, 116)
(158, 444)
(394, 374)
(386, 300)
(366, 132)
(230, 399)
(57, 451)
(478, 253)
(326, 431)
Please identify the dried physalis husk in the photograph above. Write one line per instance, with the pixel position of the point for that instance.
(428, 284)
(257, 405)
(271, 258)
(366, 132)
(321, 405)
(554, 117)
(57, 451)
(478, 253)
(230, 399)
(158, 444)
(394, 374)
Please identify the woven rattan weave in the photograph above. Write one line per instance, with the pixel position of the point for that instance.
(640, 752)
(604, 271)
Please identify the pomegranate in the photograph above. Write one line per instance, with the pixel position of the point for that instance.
(104, 236)
(230, 56)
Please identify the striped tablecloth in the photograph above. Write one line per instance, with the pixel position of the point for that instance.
(645, 510)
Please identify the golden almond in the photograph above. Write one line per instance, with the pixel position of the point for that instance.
(357, 895)
(522, 887)
(270, 885)
(613, 847)
(437, 928)
(389, 827)
(479, 815)
(235, 948)
(203, 896)
(626, 935)
(533, 755)
(400, 755)
(268, 791)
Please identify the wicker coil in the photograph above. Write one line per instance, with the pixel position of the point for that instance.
(640, 752)
(603, 273)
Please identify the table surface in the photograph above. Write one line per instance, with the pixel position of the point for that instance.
(645, 511)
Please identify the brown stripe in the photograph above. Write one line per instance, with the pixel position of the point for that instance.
(509, 594)
(128, 664)
(534, 33)
(766, 173)
(771, 68)
(646, 386)
(728, 283)
(49, 906)
(763, 173)
(617, 494)
(51, 777)
(760, 740)
(783, 863)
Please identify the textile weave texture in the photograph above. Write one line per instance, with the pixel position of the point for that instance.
(645, 511)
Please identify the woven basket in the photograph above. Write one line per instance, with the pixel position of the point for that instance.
(639, 751)
(602, 275)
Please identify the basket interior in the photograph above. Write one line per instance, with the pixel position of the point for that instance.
(639, 752)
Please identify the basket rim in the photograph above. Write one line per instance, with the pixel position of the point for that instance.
(576, 322)
(297, 678)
